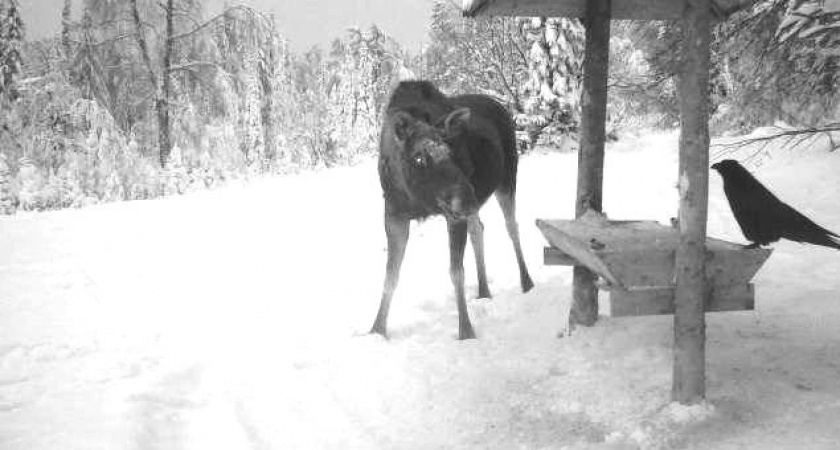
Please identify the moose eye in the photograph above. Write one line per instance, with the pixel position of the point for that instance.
(419, 161)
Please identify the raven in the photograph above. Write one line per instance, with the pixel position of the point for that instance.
(763, 217)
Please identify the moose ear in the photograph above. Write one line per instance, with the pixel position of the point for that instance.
(456, 122)
(401, 123)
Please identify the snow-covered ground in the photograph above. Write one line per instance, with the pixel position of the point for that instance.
(237, 319)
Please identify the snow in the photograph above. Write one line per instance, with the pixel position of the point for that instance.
(238, 318)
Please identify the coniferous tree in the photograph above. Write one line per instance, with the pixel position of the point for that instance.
(531, 65)
(66, 24)
(11, 40)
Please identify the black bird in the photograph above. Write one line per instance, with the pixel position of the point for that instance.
(763, 217)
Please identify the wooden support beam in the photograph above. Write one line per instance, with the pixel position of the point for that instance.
(689, 376)
(655, 300)
(622, 9)
(591, 154)
(554, 257)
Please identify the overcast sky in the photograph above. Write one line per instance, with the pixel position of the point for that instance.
(303, 22)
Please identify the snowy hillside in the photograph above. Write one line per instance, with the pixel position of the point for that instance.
(238, 318)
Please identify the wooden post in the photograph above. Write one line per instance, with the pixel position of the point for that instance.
(689, 377)
(591, 154)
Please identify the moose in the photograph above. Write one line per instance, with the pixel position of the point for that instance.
(441, 155)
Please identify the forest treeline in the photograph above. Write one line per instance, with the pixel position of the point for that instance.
(136, 99)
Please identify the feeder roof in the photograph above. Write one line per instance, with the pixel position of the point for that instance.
(621, 9)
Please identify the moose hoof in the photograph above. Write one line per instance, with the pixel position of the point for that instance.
(527, 284)
(466, 333)
(380, 330)
(484, 293)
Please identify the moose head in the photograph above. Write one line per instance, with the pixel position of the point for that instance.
(434, 167)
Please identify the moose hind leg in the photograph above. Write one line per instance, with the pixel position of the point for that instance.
(508, 205)
(476, 231)
(396, 231)
(457, 244)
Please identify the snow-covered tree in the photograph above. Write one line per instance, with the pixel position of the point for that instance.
(273, 75)
(532, 65)
(255, 59)
(781, 60)
(812, 19)
(11, 40)
(308, 130)
(483, 55)
(775, 60)
(366, 63)
(553, 89)
(7, 201)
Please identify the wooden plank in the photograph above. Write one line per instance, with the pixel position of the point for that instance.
(737, 266)
(579, 251)
(630, 234)
(555, 257)
(655, 267)
(640, 253)
(660, 300)
(614, 235)
(641, 267)
(621, 9)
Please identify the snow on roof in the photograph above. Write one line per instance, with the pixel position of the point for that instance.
(621, 9)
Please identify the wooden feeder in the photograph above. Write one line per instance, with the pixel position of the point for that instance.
(635, 260)
(668, 265)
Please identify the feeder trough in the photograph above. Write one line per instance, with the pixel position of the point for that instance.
(635, 261)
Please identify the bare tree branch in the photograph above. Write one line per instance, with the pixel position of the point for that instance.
(193, 64)
(217, 17)
(791, 138)
(144, 48)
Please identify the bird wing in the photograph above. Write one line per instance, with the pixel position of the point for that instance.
(754, 207)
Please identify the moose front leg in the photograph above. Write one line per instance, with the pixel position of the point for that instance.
(457, 244)
(396, 231)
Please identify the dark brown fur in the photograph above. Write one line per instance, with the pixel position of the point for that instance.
(445, 155)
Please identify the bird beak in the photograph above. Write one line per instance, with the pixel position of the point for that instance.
(716, 166)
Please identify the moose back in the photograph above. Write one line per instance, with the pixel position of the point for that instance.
(445, 155)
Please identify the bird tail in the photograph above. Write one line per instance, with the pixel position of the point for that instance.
(810, 232)
(829, 239)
